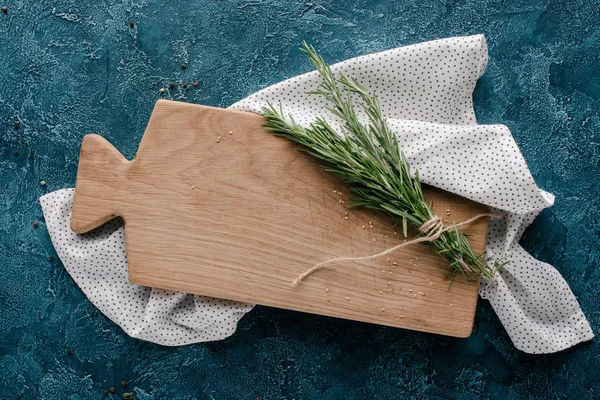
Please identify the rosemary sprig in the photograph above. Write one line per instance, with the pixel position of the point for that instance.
(367, 156)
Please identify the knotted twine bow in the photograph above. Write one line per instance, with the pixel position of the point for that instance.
(431, 229)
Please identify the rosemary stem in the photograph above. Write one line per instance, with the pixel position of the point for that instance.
(368, 157)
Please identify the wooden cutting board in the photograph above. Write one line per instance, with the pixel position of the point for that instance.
(215, 205)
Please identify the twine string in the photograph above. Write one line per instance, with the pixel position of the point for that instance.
(431, 230)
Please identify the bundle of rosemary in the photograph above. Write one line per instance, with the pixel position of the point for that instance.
(367, 156)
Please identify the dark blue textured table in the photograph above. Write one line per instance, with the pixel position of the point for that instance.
(68, 69)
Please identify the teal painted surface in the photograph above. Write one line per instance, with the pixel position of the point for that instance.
(67, 69)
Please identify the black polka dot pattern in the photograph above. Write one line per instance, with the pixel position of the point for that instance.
(531, 298)
(426, 92)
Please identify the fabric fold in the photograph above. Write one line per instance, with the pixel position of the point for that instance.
(425, 91)
(97, 262)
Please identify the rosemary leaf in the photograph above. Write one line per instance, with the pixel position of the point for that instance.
(367, 156)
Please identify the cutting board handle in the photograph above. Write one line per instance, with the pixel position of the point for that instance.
(101, 171)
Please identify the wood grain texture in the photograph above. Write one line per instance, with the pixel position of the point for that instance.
(242, 216)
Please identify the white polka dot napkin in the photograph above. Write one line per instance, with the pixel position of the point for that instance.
(426, 92)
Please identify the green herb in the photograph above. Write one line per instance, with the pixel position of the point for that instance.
(367, 156)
